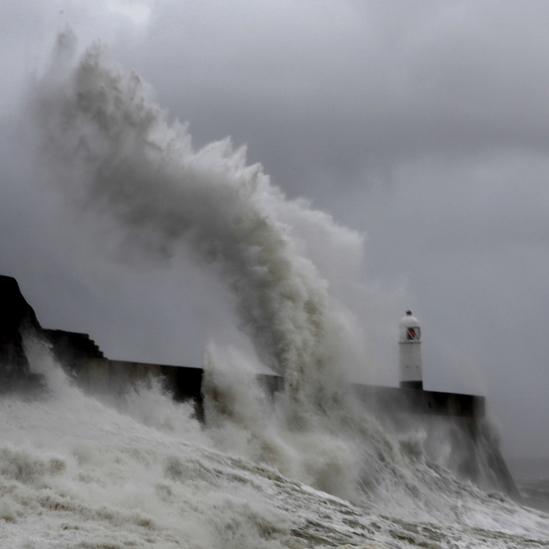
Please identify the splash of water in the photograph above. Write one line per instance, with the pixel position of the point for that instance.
(77, 472)
(115, 150)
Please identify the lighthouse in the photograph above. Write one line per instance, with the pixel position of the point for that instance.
(410, 352)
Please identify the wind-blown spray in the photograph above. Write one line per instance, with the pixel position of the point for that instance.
(117, 151)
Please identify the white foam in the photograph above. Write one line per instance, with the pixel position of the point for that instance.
(75, 472)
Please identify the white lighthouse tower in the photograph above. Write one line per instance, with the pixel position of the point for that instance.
(410, 352)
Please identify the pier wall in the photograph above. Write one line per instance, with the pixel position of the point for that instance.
(456, 419)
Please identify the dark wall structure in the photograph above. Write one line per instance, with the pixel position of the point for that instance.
(461, 418)
(16, 319)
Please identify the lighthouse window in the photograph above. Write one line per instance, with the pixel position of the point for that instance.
(413, 334)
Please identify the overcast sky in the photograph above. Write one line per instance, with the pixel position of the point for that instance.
(424, 125)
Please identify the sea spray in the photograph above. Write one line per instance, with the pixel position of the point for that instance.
(75, 472)
(243, 420)
(116, 151)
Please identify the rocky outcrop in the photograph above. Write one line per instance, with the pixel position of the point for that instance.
(17, 320)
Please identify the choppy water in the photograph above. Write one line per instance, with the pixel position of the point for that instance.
(535, 493)
(78, 472)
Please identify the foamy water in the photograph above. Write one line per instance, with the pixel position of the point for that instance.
(78, 472)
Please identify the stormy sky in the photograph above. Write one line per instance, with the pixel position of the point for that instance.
(423, 125)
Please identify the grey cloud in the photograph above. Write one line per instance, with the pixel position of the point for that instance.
(446, 80)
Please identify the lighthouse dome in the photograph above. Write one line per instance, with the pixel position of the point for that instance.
(409, 328)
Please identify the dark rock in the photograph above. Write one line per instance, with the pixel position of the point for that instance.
(17, 320)
(72, 347)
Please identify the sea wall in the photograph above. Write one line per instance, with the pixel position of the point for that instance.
(456, 420)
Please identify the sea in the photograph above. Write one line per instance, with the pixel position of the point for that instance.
(113, 471)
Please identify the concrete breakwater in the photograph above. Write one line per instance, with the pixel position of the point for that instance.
(460, 418)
